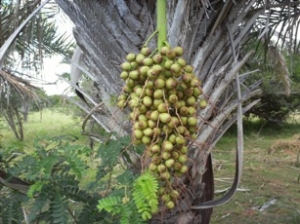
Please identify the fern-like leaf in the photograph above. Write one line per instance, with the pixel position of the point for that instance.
(35, 188)
(110, 204)
(145, 194)
(58, 208)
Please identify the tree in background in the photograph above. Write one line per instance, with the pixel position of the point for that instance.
(280, 84)
(24, 60)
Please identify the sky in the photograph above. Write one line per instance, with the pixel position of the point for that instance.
(52, 68)
(53, 65)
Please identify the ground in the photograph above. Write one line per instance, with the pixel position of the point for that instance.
(270, 177)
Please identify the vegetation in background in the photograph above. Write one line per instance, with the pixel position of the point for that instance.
(24, 59)
(279, 75)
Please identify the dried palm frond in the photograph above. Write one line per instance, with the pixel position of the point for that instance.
(280, 68)
(20, 85)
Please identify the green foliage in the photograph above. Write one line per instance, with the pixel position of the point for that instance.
(276, 108)
(35, 188)
(145, 201)
(54, 168)
(110, 204)
(60, 191)
(122, 208)
(145, 195)
(10, 210)
(109, 152)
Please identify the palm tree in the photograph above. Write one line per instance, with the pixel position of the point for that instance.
(216, 36)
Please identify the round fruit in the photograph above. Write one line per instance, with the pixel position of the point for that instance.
(138, 133)
(164, 50)
(159, 83)
(152, 167)
(183, 169)
(139, 58)
(155, 148)
(167, 146)
(154, 115)
(147, 101)
(171, 54)
(192, 121)
(148, 61)
(171, 83)
(162, 108)
(184, 111)
(181, 62)
(158, 94)
(158, 58)
(168, 63)
(175, 155)
(146, 140)
(124, 75)
(142, 124)
(170, 205)
(173, 99)
(180, 140)
(126, 66)
(146, 51)
(130, 57)
(184, 149)
(188, 68)
(164, 117)
(202, 104)
(166, 155)
(165, 176)
(182, 158)
(121, 103)
(148, 132)
(175, 68)
(134, 75)
(174, 194)
(179, 51)
(169, 163)
(191, 100)
(161, 168)
(151, 124)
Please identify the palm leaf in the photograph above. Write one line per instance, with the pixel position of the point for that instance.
(4, 48)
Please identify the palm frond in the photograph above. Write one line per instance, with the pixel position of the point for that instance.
(4, 48)
(20, 85)
(280, 68)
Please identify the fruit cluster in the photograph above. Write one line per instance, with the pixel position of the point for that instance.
(164, 95)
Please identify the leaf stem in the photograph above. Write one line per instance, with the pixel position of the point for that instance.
(161, 23)
(148, 40)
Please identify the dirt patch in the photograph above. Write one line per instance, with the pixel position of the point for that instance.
(286, 146)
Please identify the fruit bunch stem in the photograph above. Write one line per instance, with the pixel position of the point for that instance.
(161, 10)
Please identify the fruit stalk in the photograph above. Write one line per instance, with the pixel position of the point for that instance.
(161, 10)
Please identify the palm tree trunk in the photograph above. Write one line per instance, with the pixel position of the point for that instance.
(212, 36)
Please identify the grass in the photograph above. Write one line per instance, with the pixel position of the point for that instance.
(45, 124)
(269, 173)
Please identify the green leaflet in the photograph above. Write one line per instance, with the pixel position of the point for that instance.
(145, 194)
